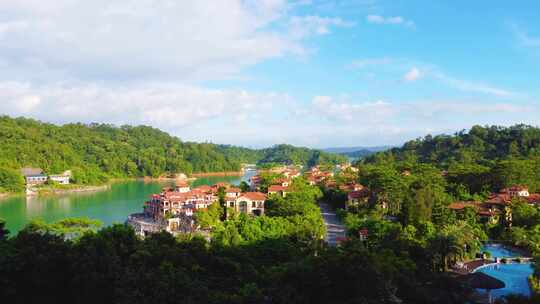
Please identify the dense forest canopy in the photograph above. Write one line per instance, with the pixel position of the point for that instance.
(97, 152)
(481, 145)
(481, 160)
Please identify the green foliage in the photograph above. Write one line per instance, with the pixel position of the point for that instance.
(11, 180)
(70, 228)
(3, 231)
(295, 217)
(290, 155)
(114, 266)
(97, 152)
(209, 218)
(479, 161)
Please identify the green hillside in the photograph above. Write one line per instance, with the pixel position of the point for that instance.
(98, 152)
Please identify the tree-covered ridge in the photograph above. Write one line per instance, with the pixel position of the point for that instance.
(287, 154)
(481, 145)
(483, 160)
(97, 152)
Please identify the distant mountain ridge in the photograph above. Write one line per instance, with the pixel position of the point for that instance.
(356, 152)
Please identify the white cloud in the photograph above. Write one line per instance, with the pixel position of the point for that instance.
(412, 75)
(468, 86)
(301, 27)
(377, 19)
(141, 40)
(335, 110)
(170, 107)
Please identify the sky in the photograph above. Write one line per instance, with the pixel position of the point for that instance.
(256, 73)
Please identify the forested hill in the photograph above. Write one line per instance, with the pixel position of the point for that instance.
(477, 161)
(479, 145)
(97, 152)
(287, 154)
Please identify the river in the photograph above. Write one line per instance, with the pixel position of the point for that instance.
(109, 206)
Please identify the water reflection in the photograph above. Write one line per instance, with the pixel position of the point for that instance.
(110, 206)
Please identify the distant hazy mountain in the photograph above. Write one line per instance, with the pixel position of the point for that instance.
(356, 152)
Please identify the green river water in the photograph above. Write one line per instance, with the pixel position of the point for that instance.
(109, 206)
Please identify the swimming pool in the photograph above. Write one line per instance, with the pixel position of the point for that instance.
(514, 275)
(499, 251)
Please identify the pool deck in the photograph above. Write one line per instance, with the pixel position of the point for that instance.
(471, 266)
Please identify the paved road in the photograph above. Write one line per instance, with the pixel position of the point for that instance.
(334, 228)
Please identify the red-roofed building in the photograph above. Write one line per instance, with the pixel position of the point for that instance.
(492, 211)
(517, 191)
(251, 203)
(278, 189)
(182, 187)
(233, 192)
(357, 198)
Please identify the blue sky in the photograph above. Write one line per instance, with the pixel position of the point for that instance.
(257, 73)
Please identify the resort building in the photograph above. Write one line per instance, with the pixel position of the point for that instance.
(517, 191)
(172, 210)
(182, 187)
(232, 192)
(357, 198)
(62, 179)
(278, 190)
(251, 203)
(34, 176)
(487, 212)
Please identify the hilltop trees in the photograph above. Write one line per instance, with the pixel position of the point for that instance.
(97, 152)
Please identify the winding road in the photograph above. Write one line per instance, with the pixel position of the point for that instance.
(334, 228)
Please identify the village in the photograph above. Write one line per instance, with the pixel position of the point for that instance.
(173, 209)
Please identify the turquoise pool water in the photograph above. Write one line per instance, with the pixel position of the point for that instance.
(513, 275)
(499, 251)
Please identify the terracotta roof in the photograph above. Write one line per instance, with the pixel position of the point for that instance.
(233, 190)
(533, 198)
(276, 188)
(463, 204)
(254, 196)
(222, 184)
(499, 199)
(518, 188)
(358, 194)
(203, 188)
(182, 183)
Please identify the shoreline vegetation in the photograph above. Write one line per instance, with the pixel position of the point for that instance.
(96, 153)
(75, 188)
(47, 191)
(225, 173)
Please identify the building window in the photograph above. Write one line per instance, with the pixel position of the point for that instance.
(253, 204)
(232, 204)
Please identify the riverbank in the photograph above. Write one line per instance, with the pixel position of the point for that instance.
(226, 173)
(165, 179)
(45, 191)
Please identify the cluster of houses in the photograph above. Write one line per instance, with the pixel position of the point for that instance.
(498, 205)
(316, 176)
(172, 210)
(36, 176)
